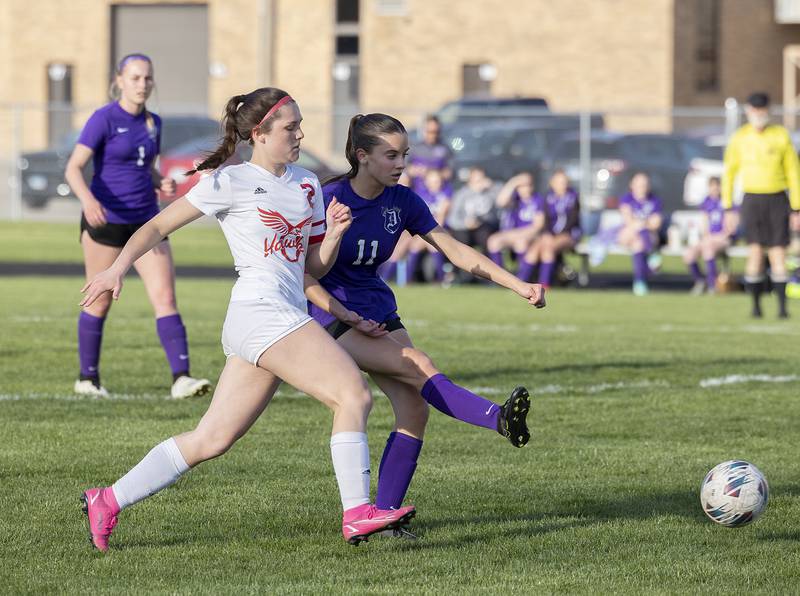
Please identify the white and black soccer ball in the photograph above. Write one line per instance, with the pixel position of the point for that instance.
(734, 493)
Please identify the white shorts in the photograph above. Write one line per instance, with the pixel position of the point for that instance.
(252, 326)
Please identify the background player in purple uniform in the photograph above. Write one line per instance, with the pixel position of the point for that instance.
(437, 196)
(431, 154)
(123, 140)
(561, 229)
(521, 220)
(376, 149)
(718, 234)
(642, 217)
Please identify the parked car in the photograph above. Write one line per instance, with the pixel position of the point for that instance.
(183, 158)
(615, 157)
(42, 172)
(502, 150)
(478, 110)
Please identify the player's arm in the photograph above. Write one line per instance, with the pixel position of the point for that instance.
(320, 297)
(162, 183)
(73, 173)
(322, 255)
(467, 258)
(177, 215)
(506, 193)
(628, 220)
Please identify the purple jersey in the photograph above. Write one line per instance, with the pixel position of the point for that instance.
(522, 211)
(713, 208)
(562, 213)
(124, 150)
(434, 200)
(642, 209)
(369, 242)
(435, 157)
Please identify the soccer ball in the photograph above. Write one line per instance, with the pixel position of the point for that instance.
(734, 493)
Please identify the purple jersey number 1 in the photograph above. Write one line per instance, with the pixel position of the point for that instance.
(361, 244)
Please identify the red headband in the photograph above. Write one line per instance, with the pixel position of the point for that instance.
(281, 102)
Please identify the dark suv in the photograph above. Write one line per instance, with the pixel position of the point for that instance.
(615, 157)
(42, 172)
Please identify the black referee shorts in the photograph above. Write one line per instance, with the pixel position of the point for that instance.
(338, 329)
(765, 218)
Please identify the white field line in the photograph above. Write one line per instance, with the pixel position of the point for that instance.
(724, 329)
(737, 379)
(488, 391)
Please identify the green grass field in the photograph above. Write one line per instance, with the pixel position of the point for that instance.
(604, 499)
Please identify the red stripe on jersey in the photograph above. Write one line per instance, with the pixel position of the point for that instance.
(316, 239)
(316, 223)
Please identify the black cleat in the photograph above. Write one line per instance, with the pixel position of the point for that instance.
(513, 414)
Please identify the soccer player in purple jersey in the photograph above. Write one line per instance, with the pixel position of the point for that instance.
(521, 222)
(353, 295)
(123, 139)
(562, 229)
(642, 217)
(718, 234)
(277, 228)
(431, 154)
(437, 196)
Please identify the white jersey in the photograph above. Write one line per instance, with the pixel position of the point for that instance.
(269, 222)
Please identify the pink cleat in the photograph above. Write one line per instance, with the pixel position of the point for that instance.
(100, 507)
(359, 523)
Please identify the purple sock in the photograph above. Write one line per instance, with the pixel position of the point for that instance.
(438, 259)
(496, 257)
(639, 266)
(387, 270)
(711, 273)
(546, 272)
(90, 336)
(694, 269)
(525, 270)
(455, 401)
(411, 265)
(172, 334)
(647, 240)
(397, 468)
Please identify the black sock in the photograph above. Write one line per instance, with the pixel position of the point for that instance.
(177, 376)
(755, 288)
(780, 293)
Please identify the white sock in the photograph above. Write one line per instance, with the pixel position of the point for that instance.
(158, 469)
(350, 454)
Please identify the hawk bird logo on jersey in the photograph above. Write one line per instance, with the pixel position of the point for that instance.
(391, 219)
(288, 238)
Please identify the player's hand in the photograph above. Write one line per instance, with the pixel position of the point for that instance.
(534, 294)
(730, 221)
(95, 213)
(794, 221)
(109, 280)
(168, 187)
(337, 218)
(366, 326)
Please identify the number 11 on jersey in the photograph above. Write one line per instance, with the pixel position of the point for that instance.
(361, 244)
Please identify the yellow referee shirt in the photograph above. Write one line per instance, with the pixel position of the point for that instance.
(766, 161)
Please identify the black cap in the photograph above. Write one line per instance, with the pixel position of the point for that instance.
(758, 100)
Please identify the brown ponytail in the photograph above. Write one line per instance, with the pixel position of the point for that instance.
(243, 114)
(364, 133)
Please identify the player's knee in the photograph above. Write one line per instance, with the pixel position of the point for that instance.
(493, 244)
(211, 443)
(418, 364)
(353, 396)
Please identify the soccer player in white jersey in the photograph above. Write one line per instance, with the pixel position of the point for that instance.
(273, 217)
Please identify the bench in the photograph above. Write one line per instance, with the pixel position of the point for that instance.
(685, 229)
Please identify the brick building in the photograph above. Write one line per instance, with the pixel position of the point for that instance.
(401, 56)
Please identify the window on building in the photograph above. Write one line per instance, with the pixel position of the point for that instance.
(347, 11)
(347, 45)
(477, 80)
(707, 45)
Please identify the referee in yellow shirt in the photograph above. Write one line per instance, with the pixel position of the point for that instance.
(763, 155)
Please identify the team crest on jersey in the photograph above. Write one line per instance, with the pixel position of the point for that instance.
(391, 219)
(288, 238)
